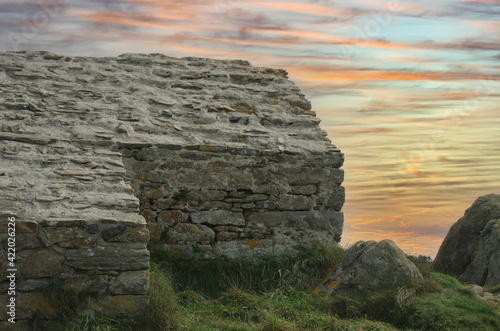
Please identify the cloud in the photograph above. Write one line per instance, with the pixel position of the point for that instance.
(302, 8)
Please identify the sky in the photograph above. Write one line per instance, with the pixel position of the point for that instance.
(408, 90)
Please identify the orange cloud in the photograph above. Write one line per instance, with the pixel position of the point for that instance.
(413, 171)
(295, 7)
(392, 219)
(134, 20)
(342, 74)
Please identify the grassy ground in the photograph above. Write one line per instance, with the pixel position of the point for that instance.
(277, 294)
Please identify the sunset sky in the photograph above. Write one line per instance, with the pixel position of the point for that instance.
(408, 90)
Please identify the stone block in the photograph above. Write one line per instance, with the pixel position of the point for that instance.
(224, 236)
(212, 195)
(131, 282)
(232, 178)
(66, 237)
(123, 304)
(255, 198)
(64, 222)
(337, 199)
(30, 285)
(27, 304)
(23, 242)
(112, 231)
(41, 264)
(218, 217)
(304, 190)
(294, 202)
(116, 257)
(149, 215)
(237, 194)
(246, 206)
(190, 233)
(317, 220)
(89, 281)
(170, 218)
(211, 205)
(155, 232)
(228, 228)
(314, 176)
(252, 248)
(131, 235)
(22, 226)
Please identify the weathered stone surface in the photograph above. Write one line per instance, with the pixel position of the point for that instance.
(315, 176)
(22, 226)
(88, 281)
(22, 325)
(482, 294)
(131, 235)
(41, 264)
(66, 237)
(26, 305)
(319, 220)
(113, 231)
(185, 233)
(255, 198)
(113, 257)
(471, 248)
(294, 202)
(218, 217)
(337, 199)
(149, 215)
(23, 242)
(155, 232)
(30, 285)
(64, 222)
(304, 190)
(252, 248)
(131, 282)
(212, 195)
(371, 266)
(4, 265)
(123, 304)
(171, 217)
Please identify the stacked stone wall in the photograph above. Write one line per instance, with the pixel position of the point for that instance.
(210, 202)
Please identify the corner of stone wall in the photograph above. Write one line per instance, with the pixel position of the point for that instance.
(99, 250)
(106, 259)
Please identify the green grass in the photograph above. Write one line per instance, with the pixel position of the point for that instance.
(276, 293)
(304, 270)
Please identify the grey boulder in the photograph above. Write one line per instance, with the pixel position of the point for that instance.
(370, 266)
(471, 249)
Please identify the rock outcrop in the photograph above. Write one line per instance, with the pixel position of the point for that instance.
(471, 248)
(101, 157)
(370, 266)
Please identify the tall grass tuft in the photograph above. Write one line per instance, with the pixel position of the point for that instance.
(162, 312)
(263, 275)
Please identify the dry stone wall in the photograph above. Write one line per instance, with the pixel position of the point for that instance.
(209, 202)
(101, 157)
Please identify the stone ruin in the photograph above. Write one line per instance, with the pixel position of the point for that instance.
(105, 159)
